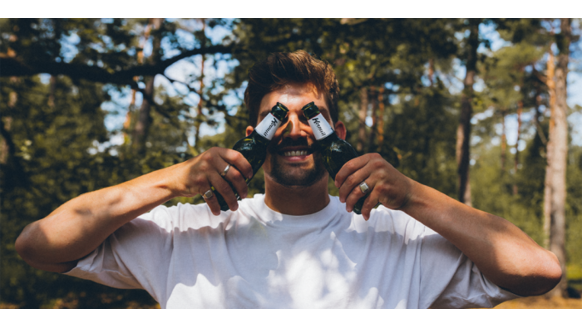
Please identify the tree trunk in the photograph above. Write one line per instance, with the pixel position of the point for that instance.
(464, 129)
(128, 116)
(549, 147)
(503, 141)
(380, 120)
(430, 70)
(144, 119)
(7, 145)
(537, 117)
(516, 158)
(559, 138)
(374, 102)
(199, 114)
(362, 118)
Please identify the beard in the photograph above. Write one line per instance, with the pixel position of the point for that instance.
(297, 177)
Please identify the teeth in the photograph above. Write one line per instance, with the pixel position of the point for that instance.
(295, 153)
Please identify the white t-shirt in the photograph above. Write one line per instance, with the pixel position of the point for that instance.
(186, 257)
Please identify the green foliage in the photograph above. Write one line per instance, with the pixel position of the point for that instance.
(52, 164)
(60, 146)
(491, 189)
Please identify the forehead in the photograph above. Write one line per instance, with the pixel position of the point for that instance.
(294, 97)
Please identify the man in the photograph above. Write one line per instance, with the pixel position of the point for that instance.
(295, 246)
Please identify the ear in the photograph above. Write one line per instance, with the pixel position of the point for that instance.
(340, 129)
(250, 130)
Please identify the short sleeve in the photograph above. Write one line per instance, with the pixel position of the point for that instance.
(133, 256)
(449, 279)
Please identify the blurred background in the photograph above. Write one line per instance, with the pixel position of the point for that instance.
(487, 111)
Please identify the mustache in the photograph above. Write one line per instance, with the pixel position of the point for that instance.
(288, 142)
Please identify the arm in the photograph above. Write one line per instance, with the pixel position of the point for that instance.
(505, 254)
(77, 227)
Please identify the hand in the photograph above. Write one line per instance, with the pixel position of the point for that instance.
(387, 186)
(196, 176)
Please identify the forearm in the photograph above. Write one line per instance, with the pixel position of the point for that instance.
(504, 253)
(77, 227)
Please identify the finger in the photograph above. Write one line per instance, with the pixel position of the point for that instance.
(352, 182)
(211, 201)
(369, 204)
(225, 190)
(357, 193)
(237, 160)
(237, 180)
(349, 168)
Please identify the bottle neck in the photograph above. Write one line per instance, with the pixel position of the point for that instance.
(321, 128)
(279, 111)
(268, 126)
(310, 110)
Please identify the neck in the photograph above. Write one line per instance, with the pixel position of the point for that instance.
(296, 200)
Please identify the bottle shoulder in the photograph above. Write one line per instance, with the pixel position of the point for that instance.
(251, 141)
(335, 144)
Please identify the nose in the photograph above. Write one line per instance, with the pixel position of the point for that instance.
(294, 128)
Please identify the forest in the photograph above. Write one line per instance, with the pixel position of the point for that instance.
(479, 109)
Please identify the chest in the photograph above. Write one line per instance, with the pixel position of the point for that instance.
(259, 266)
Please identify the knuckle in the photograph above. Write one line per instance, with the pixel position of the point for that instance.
(351, 180)
(199, 180)
(352, 198)
(350, 165)
(375, 156)
(382, 188)
(207, 155)
(339, 177)
(235, 174)
(223, 186)
(203, 166)
(237, 156)
(378, 163)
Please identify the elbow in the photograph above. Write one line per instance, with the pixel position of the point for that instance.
(21, 246)
(24, 247)
(553, 273)
(545, 278)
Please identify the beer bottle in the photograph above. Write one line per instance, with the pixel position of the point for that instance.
(334, 151)
(254, 147)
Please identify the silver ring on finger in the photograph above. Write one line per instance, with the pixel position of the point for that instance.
(208, 194)
(364, 187)
(225, 171)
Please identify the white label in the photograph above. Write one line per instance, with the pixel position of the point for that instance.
(268, 126)
(320, 127)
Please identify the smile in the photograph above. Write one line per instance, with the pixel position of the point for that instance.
(295, 153)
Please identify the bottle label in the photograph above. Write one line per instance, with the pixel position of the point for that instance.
(320, 127)
(268, 126)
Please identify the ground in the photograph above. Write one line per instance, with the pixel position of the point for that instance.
(541, 302)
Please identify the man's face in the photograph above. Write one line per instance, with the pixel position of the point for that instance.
(291, 160)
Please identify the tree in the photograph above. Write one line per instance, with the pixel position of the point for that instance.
(558, 142)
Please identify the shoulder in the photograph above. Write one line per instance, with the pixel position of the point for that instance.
(396, 222)
(183, 216)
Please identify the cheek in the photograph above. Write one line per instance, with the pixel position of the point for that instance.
(267, 164)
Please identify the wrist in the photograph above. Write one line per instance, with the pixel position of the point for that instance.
(409, 197)
(174, 179)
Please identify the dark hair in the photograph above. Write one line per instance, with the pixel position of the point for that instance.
(280, 69)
